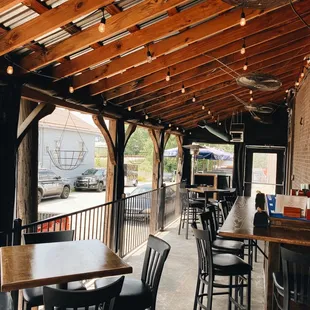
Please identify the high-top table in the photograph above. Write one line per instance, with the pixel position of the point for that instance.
(56, 263)
(239, 224)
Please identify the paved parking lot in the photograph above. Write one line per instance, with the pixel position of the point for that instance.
(76, 201)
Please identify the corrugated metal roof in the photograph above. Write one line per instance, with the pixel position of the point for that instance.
(126, 4)
(152, 21)
(80, 53)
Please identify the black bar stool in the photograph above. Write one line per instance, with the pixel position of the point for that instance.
(211, 265)
(293, 283)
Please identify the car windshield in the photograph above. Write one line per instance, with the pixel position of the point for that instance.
(90, 172)
(140, 190)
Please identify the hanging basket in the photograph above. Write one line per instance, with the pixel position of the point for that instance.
(66, 159)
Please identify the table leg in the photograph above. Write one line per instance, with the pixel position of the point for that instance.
(271, 265)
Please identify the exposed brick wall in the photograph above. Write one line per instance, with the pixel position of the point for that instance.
(301, 144)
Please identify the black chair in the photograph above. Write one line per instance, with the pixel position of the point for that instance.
(209, 222)
(33, 297)
(6, 302)
(141, 294)
(211, 265)
(102, 298)
(293, 283)
(190, 208)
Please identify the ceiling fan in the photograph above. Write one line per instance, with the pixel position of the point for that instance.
(259, 81)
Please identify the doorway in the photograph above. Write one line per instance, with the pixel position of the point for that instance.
(264, 170)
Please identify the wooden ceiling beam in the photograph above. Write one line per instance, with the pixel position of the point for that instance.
(115, 24)
(130, 42)
(256, 62)
(8, 4)
(278, 42)
(211, 93)
(47, 22)
(203, 82)
(268, 20)
(254, 39)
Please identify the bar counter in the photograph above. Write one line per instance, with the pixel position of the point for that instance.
(239, 224)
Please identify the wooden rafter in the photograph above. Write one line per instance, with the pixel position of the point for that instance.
(7, 4)
(115, 24)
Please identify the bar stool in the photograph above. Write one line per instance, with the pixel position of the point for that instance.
(189, 210)
(293, 283)
(211, 265)
(220, 245)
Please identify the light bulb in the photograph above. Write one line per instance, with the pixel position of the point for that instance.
(308, 61)
(177, 128)
(286, 91)
(149, 56)
(101, 26)
(194, 99)
(245, 67)
(159, 121)
(242, 19)
(251, 92)
(242, 51)
(168, 76)
(220, 123)
(183, 89)
(203, 107)
(105, 102)
(209, 112)
(129, 109)
(190, 132)
(297, 84)
(284, 98)
(170, 125)
(9, 70)
(71, 89)
(302, 74)
(146, 116)
(251, 99)
(212, 116)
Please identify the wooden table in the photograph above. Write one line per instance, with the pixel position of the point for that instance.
(239, 224)
(55, 263)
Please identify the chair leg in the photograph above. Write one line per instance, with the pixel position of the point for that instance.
(187, 223)
(210, 293)
(230, 293)
(236, 291)
(249, 291)
(197, 291)
(255, 252)
(180, 222)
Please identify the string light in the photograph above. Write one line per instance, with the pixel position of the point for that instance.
(242, 51)
(251, 92)
(190, 132)
(242, 19)
(296, 83)
(302, 74)
(220, 123)
(146, 116)
(212, 116)
(177, 128)
(245, 67)
(148, 55)
(10, 70)
(251, 99)
(183, 89)
(168, 76)
(71, 89)
(286, 91)
(101, 26)
(194, 99)
(170, 125)
(203, 107)
(209, 112)
(105, 102)
(159, 121)
(129, 108)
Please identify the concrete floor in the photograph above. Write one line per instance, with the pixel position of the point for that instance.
(177, 286)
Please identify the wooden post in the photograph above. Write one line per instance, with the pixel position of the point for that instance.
(178, 177)
(158, 138)
(27, 168)
(9, 111)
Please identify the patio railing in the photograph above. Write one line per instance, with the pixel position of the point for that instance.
(132, 223)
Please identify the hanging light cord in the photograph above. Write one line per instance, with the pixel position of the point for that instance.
(298, 15)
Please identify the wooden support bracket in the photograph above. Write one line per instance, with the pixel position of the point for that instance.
(180, 143)
(129, 131)
(100, 123)
(167, 136)
(155, 138)
(39, 112)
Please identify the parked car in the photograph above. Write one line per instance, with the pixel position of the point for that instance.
(49, 184)
(168, 177)
(91, 179)
(139, 205)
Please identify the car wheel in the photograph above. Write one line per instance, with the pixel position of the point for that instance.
(100, 187)
(65, 192)
(39, 196)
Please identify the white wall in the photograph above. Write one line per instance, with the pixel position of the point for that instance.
(71, 141)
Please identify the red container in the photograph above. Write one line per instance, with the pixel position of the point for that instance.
(308, 214)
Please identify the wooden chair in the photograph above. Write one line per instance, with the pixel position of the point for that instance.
(33, 297)
(141, 294)
(102, 298)
(293, 283)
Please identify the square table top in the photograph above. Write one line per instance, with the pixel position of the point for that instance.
(209, 189)
(239, 224)
(60, 262)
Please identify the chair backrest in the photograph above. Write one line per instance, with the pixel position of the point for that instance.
(157, 251)
(101, 298)
(204, 250)
(296, 275)
(207, 221)
(47, 237)
(223, 205)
